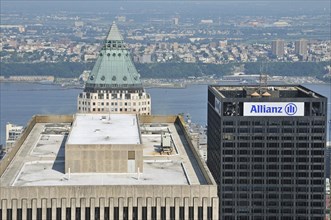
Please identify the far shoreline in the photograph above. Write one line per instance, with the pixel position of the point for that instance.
(152, 83)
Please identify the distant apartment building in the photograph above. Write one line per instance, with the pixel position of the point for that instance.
(114, 84)
(277, 48)
(176, 20)
(146, 58)
(301, 48)
(206, 21)
(121, 18)
(223, 44)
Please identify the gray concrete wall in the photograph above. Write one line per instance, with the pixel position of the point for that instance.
(54, 118)
(202, 165)
(53, 197)
(94, 158)
(157, 118)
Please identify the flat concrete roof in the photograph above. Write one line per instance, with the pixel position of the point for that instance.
(104, 129)
(40, 160)
(272, 91)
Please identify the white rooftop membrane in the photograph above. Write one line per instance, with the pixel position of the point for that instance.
(104, 129)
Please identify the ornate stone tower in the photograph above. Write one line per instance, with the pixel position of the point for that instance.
(114, 84)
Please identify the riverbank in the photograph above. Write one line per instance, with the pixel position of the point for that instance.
(169, 83)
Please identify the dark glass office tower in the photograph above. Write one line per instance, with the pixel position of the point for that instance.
(266, 151)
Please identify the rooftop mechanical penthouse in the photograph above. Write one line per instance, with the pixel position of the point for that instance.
(266, 151)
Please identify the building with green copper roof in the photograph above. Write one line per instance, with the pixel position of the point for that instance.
(114, 80)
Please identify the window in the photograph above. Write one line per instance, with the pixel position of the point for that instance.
(258, 123)
(318, 123)
(258, 130)
(258, 196)
(135, 213)
(288, 123)
(125, 213)
(78, 215)
(144, 212)
(172, 213)
(9, 214)
(163, 213)
(229, 159)
(243, 130)
(19, 213)
(228, 203)
(97, 212)
(116, 213)
(58, 214)
(258, 138)
(228, 130)
(153, 214)
(228, 123)
(131, 155)
(318, 145)
(243, 145)
(106, 213)
(257, 145)
(245, 123)
(258, 174)
(272, 130)
(287, 130)
(181, 213)
(258, 159)
(244, 159)
(39, 213)
(29, 214)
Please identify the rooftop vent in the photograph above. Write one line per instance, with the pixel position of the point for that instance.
(255, 94)
(266, 94)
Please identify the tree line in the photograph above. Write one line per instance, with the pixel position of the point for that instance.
(170, 70)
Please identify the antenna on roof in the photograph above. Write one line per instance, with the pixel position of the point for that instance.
(263, 79)
(109, 113)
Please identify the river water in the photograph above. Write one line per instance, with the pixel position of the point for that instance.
(20, 101)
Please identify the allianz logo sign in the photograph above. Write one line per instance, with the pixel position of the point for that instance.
(291, 109)
(274, 109)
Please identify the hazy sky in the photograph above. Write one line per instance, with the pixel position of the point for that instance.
(227, 8)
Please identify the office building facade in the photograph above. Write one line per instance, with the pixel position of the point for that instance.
(266, 151)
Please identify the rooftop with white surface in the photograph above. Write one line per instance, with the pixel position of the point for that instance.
(104, 129)
(40, 161)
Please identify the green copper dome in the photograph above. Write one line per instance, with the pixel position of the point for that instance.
(114, 67)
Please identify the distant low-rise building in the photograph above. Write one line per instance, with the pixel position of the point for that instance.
(13, 132)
